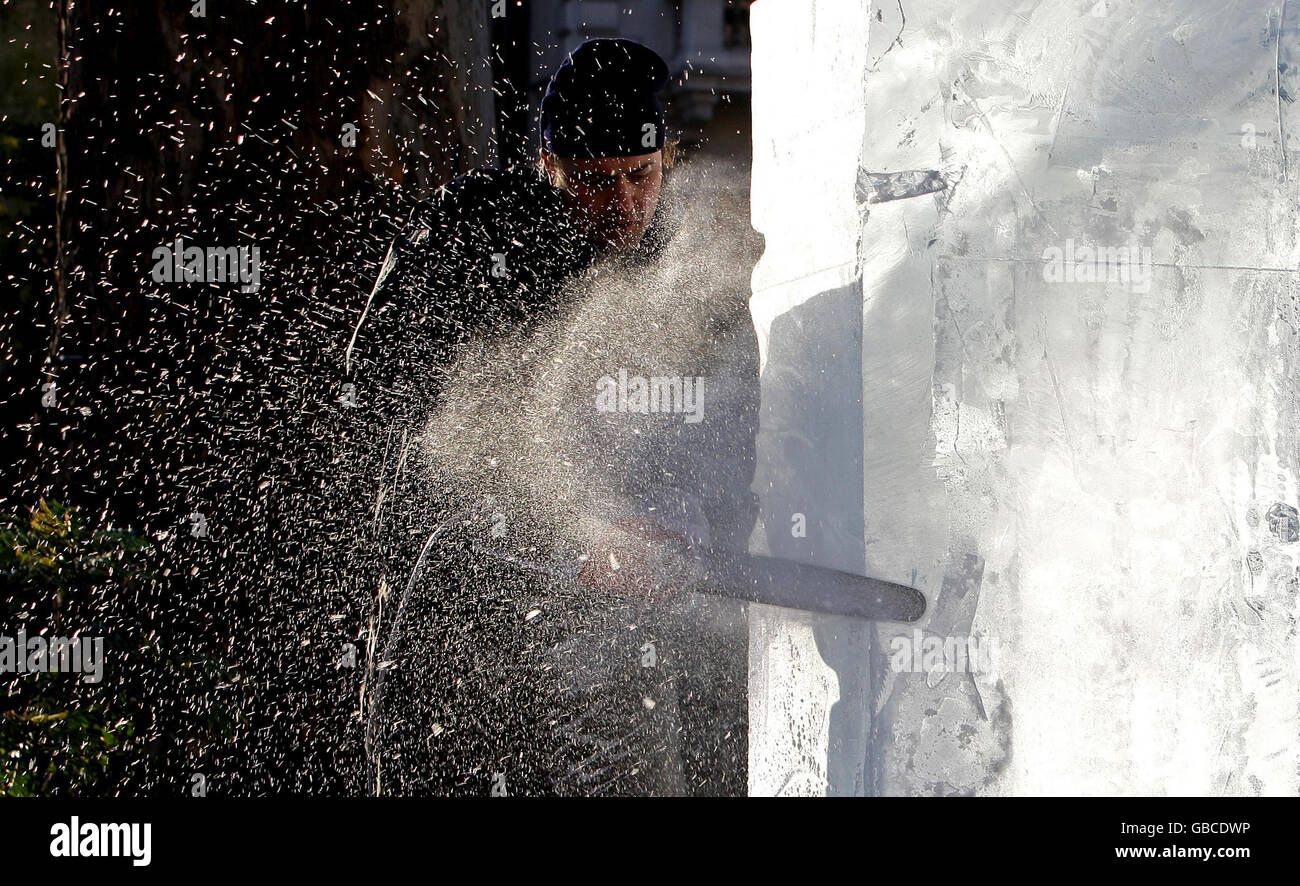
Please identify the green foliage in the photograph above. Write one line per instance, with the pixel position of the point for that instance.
(59, 734)
(54, 547)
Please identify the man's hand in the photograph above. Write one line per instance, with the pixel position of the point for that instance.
(638, 559)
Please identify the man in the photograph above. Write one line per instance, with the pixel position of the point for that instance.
(494, 247)
(494, 253)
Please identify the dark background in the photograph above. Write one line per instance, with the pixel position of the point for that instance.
(181, 399)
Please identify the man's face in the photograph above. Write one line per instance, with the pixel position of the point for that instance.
(613, 198)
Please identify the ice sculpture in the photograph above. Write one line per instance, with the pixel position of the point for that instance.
(1030, 329)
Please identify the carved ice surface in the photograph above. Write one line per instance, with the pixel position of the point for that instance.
(1099, 475)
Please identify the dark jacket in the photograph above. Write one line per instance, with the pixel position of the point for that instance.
(489, 252)
(486, 659)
